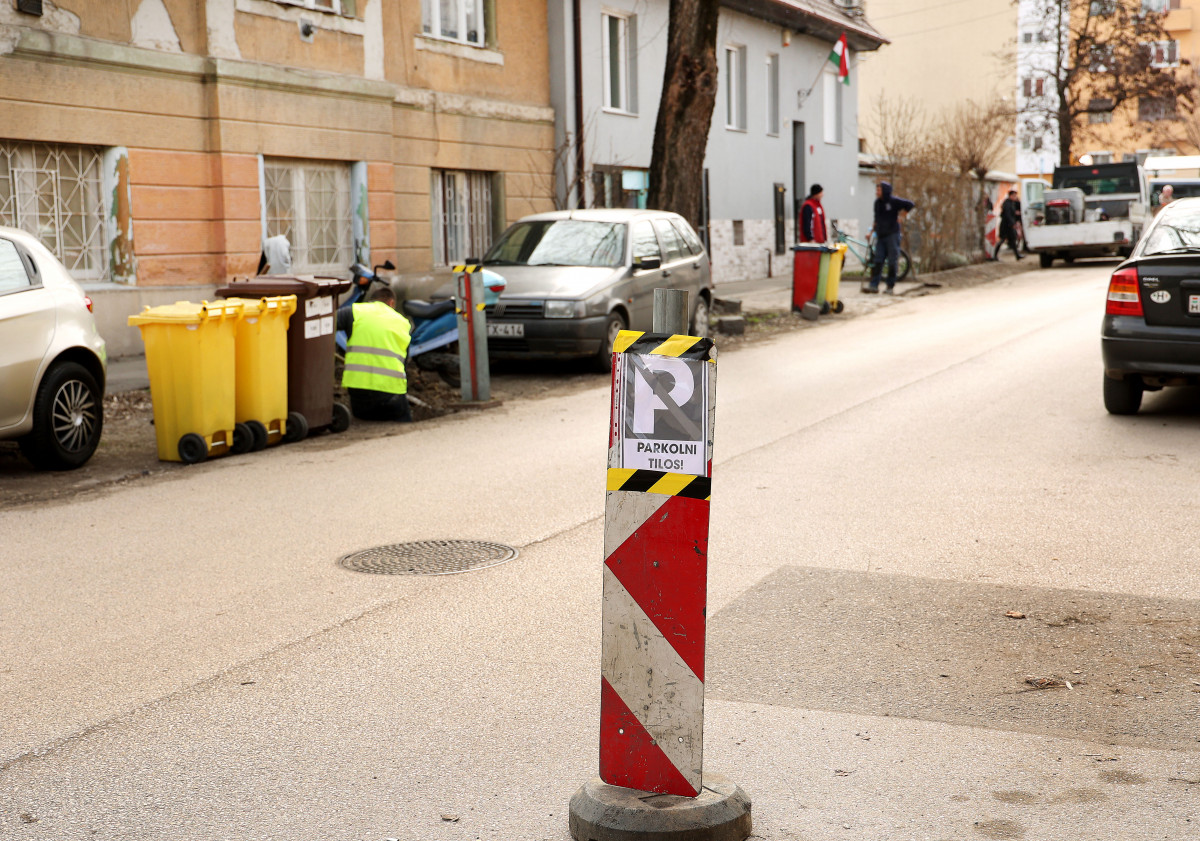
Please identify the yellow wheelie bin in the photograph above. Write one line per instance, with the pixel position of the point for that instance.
(261, 367)
(190, 359)
(834, 280)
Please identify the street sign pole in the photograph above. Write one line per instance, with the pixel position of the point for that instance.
(654, 595)
(475, 375)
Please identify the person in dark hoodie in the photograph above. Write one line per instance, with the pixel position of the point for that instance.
(812, 216)
(887, 236)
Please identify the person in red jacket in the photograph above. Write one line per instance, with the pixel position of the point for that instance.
(812, 216)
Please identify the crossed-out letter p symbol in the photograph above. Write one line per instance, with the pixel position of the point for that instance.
(646, 401)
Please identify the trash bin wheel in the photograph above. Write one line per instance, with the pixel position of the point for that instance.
(341, 418)
(193, 449)
(259, 431)
(297, 427)
(825, 308)
(243, 439)
(839, 307)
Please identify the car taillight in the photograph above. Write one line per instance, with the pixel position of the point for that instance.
(88, 303)
(1123, 297)
(498, 287)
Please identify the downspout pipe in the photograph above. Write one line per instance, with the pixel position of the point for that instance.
(580, 159)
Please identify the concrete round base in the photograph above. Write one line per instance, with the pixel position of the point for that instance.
(600, 812)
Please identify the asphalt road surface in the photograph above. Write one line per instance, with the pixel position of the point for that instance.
(185, 659)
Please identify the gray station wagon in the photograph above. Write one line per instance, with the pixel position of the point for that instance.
(577, 278)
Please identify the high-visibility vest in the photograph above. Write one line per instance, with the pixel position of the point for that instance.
(376, 349)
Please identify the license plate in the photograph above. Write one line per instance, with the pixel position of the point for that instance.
(1194, 304)
(510, 331)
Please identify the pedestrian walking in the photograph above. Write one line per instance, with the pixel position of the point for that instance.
(1010, 221)
(812, 216)
(888, 210)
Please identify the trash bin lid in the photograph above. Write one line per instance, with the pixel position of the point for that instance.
(810, 246)
(186, 312)
(283, 305)
(302, 286)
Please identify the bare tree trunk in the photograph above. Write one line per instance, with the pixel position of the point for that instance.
(685, 109)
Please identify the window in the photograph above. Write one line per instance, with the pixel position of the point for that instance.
(735, 88)
(1163, 53)
(1100, 110)
(739, 232)
(1037, 144)
(833, 108)
(645, 243)
(773, 94)
(1154, 108)
(1158, 5)
(618, 186)
(309, 203)
(1027, 37)
(618, 49)
(54, 192)
(321, 5)
(462, 215)
(455, 20)
(675, 247)
(688, 236)
(1033, 87)
(1102, 8)
(13, 277)
(1101, 157)
(1100, 58)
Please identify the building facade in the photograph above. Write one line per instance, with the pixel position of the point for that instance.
(782, 120)
(155, 144)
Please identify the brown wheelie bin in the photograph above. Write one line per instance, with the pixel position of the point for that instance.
(311, 346)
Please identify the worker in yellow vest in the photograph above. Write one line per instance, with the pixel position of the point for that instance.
(375, 354)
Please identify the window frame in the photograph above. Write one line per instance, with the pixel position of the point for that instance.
(1168, 49)
(773, 110)
(832, 105)
(735, 87)
(333, 6)
(431, 22)
(300, 226)
(477, 216)
(32, 279)
(624, 62)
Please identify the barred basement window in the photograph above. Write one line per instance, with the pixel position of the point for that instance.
(54, 192)
(462, 215)
(309, 203)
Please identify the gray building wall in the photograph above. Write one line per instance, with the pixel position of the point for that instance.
(743, 165)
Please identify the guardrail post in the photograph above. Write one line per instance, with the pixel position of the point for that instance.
(472, 337)
(654, 600)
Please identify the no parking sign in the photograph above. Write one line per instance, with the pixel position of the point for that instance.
(656, 563)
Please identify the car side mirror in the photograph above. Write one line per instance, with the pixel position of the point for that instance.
(473, 261)
(647, 263)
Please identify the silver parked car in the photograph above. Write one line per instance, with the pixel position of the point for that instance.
(577, 278)
(52, 360)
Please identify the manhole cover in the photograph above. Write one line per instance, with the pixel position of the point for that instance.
(429, 557)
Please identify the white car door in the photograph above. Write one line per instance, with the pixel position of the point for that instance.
(27, 324)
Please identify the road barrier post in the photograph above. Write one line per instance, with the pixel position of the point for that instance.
(655, 582)
(472, 336)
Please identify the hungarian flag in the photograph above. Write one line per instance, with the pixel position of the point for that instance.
(839, 59)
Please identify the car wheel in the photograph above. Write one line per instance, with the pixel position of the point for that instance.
(1045, 260)
(603, 357)
(1123, 396)
(68, 417)
(296, 428)
(700, 318)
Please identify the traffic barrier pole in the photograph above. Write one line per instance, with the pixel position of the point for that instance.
(476, 381)
(654, 593)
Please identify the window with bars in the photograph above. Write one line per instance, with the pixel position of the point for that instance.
(309, 203)
(462, 215)
(455, 20)
(54, 192)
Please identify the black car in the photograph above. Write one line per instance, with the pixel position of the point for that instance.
(1150, 338)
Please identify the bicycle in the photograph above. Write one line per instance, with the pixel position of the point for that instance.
(864, 251)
